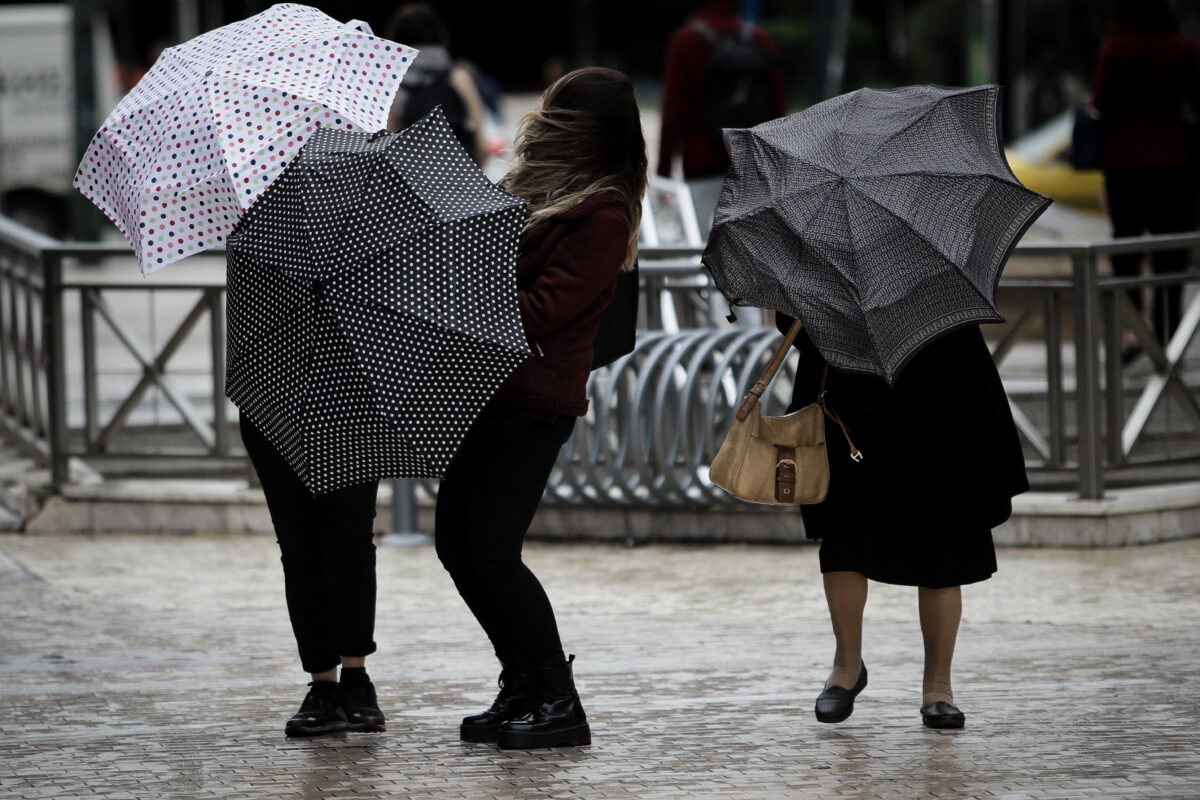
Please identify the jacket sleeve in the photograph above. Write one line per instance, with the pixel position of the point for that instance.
(578, 270)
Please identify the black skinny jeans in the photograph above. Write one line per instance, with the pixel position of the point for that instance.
(485, 503)
(327, 545)
(1153, 200)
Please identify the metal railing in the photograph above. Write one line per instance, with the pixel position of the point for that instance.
(657, 416)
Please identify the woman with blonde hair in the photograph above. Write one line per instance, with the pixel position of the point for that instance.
(580, 163)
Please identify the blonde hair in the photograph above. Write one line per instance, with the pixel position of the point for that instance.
(583, 138)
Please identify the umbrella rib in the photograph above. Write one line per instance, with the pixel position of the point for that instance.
(925, 113)
(771, 206)
(925, 239)
(858, 298)
(941, 174)
(766, 143)
(410, 315)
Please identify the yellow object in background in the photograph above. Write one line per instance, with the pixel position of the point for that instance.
(1041, 160)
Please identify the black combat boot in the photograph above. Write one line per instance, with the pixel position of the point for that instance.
(557, 718)
(515, 700)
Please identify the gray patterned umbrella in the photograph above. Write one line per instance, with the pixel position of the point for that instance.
(880, 219)
(372, 304)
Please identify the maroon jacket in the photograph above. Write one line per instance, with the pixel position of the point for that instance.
(1140, 84)
(685, 93)
(566, 275)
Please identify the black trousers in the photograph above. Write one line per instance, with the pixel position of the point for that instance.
(485, 503)
(1152, 201)
(327, 545)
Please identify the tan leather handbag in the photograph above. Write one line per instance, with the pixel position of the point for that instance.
(779, 461)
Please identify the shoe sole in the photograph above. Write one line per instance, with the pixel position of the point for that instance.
(571, 737)
(952, 723)
(479, 734)
(835, 717)
(367, 727)
(299, 732)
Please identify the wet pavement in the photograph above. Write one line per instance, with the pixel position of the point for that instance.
(162, 666)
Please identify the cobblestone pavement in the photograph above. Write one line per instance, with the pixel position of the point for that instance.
(163, 667)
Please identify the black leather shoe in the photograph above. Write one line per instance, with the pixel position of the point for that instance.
(516, 699)
(319, 713)
(942, 715)
(360, 707)
(836, 703)
(557, 718)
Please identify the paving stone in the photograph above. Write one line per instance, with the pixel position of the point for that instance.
(161, 666)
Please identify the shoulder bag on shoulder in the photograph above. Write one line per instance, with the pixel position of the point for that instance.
(779, 461)
(617, 334)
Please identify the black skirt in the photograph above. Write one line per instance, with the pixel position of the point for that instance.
(941, 463)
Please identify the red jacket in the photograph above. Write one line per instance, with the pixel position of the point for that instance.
(685, 92)
(566, 275)
(1140, 84)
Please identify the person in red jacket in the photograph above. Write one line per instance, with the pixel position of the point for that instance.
(581, 166)
(698, 97)
(1147, 73)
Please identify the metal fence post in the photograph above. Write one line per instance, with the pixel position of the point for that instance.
(55, 365)
(404, 515)
(216, 317)
(1087, 374)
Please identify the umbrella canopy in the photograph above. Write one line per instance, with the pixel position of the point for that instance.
(880, 219)
(372, 304)
(215, 120)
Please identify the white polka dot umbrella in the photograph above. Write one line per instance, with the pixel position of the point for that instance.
(372, 304)
(215, 120)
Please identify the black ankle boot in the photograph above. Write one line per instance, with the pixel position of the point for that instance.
(516, 699)
(557, 718)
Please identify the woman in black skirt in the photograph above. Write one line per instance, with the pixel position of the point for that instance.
(941, 464)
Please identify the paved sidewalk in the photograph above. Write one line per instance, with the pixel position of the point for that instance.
(143, 666)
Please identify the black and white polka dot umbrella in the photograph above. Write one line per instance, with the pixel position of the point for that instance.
(372, 304)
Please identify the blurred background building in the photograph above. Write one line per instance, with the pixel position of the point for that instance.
(63, 65)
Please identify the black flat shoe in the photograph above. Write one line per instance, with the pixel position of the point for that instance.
(942, 715)
(836, 704)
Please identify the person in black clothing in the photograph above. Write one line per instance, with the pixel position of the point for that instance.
(327, 544)
(581, 166)
(1146, 81)
(435, 79)
(941, 464)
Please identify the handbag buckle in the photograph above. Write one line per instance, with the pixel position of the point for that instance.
(783, 461)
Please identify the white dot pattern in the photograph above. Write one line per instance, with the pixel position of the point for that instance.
(372, 304)
(216, 119)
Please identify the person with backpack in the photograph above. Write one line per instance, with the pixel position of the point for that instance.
(720, 71)
(434, 79)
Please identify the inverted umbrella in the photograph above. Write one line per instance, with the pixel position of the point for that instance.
(215, 120)
(880, 219)
(372, 304)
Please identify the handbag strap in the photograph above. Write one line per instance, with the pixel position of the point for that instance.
(756, 391)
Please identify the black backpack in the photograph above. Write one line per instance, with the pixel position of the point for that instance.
(738, 89)
(438, 91)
